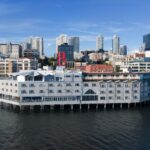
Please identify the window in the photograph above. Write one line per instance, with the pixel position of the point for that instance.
(110, 97)
(59, 91)
(77, 76)
(90, 92)
(31, 92)
(127, 92)
(23, 85)
(118, 85)
(67, 76)
(110, 85)
(110, 91)
(41, 91)
(102, 98)
(50, 91)
(77, 91)
(31, 85)
(135, 91)
(135, 85)
(23, 92)
(59, 85)
(118, 97)
(118, 91)
(135, 97)
(51, 85)
(94, 85)
(86, 85)
(102, 85)
(77, 84)
(102, 92)
(68, 84)
(126, 85)
(89, 98)
(68, 91)
(126, 97)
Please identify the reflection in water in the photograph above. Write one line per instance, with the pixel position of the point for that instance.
(126, 129)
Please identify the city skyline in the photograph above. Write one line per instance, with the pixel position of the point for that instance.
(19, 20)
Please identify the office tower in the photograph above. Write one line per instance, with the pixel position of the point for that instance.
(65, 55)
(99, 42)
(63, 38)
(123, 50)
(116, 44)
(75, 42)
(36, 43)
(146, 42)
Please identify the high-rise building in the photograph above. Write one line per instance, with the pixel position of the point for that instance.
(63, 38)
(11, 50)
(36, 43)
(146, 42)
(99, 42)
(123, 50)
(116, 44)
(75, 42)
(65, 55)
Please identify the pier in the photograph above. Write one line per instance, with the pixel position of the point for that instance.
(72, 107)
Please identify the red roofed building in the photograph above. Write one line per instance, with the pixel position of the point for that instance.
(139, 55)
(97, 68)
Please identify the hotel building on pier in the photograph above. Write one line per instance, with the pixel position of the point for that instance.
(64, 87)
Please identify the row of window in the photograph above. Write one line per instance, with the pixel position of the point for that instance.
(9, 84)
(104, 75)
(110, 85)
(7, 90)
(50, 91)
(118, 98)
(118, 91)
(50, 85)
(69, 76)
(63, 98)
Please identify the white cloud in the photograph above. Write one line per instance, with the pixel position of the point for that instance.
(82, 31)
(20, 26)
(118, 29)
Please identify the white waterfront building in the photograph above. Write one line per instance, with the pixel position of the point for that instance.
(60, 87)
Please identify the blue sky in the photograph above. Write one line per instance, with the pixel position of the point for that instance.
(85, 18)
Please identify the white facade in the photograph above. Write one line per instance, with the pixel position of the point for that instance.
(116, 44)
(68, 87)
(99, 42)
(139, 66)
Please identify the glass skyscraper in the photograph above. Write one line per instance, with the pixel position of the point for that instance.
(146, 42)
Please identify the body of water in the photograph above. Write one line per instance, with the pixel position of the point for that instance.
(90, 130)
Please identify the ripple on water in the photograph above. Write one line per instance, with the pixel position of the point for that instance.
(128, 129)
